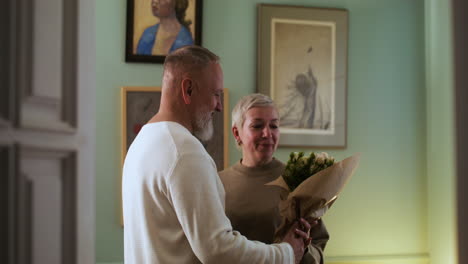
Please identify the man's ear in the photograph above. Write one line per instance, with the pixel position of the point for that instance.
(187, 89)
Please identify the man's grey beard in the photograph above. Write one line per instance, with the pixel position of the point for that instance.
(203, 129)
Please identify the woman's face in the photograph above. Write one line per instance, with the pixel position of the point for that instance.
(259, 135)
(163, 8)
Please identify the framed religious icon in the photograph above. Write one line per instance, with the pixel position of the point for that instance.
(157, 27)
(302, 66)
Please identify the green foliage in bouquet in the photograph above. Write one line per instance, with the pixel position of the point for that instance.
(301, 167)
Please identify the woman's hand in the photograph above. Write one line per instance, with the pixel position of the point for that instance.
(306, 225)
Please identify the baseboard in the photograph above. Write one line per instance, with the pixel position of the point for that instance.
(380, 259)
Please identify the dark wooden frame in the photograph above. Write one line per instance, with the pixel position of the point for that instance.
(130, 56)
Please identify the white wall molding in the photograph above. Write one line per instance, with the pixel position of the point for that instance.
(380, 259)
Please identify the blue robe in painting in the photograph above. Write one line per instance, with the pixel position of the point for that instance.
(146, 42)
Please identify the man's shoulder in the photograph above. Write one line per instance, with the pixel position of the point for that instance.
(165, 144)
(162, 140)
(186, 147)
(183, 140)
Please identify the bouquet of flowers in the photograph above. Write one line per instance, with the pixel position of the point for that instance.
(311, 184)
(301, 167)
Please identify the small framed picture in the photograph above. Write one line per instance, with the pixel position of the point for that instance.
(157, 27)
(139, 104)
(302, 66)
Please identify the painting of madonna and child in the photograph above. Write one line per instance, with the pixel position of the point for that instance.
(157, 27)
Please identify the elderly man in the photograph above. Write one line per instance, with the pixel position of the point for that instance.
(172, 197)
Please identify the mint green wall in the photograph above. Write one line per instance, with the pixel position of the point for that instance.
(381, 216)
(440, 136)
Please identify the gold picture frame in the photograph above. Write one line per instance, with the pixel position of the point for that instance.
(139, 104)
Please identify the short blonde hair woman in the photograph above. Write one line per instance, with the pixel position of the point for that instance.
(251, 206)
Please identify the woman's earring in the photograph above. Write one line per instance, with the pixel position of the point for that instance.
(238, 142)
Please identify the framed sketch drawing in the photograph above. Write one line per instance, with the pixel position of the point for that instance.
(157, 27)
(302, 57)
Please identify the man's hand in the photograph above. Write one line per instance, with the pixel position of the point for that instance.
(296, 237)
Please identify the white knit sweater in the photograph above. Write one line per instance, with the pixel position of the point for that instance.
(173, 205)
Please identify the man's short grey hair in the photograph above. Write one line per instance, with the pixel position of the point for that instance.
(247, 102)
(189, 58)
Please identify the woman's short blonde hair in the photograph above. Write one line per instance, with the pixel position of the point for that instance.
(247, 102)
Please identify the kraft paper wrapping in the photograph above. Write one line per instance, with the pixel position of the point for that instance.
(315, 195)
